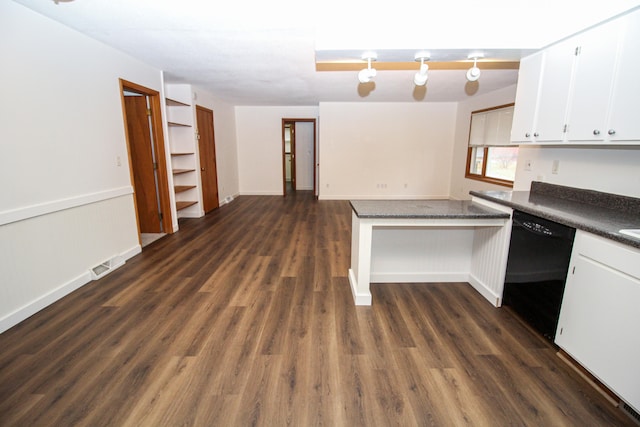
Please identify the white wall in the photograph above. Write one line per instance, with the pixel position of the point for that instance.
(224, 121)
(259, 133)
(66, 204)
(611, 170)
(385, 150)
(460, 186)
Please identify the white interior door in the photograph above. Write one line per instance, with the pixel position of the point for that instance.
(304, 155)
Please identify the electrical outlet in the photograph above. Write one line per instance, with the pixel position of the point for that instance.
(555, 166)
(527, 165)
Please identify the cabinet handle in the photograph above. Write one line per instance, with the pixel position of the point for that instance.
(536, 134)
(528, 134)
(596, 132)
(611, 132)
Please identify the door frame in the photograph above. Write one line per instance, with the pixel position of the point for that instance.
(284, 158)
(159, 148)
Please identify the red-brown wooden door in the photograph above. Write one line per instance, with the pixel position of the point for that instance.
(207, 150)
(144, 182)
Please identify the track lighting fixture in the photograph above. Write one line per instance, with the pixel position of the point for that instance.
(367, 74)
(473, 73)
(420, 78)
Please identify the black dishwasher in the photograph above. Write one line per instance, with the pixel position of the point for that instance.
(537, 265)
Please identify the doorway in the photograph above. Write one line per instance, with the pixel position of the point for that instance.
(147, 160)
(207, 150)
(298, 155)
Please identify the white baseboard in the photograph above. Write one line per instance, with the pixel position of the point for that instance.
(49, 298)
(358, 298)
(380, 197)
(32, 308)
(485, 291)
(131, 252)
(261, 193)
(419, 277)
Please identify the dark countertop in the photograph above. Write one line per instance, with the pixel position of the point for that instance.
(603, 214)
(429, 209)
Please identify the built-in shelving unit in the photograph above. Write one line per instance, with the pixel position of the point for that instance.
(183, 205)
(183, 143)
(181, 188)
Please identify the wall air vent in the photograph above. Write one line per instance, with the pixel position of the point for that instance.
(630, 412)
(106, 267)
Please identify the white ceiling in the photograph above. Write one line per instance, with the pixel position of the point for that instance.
(251, 52)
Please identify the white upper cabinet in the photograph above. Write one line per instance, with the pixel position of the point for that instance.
(554, 91)
(542, 97)
(586, 91)
(529, 80)
(623, 121)
(596, 53)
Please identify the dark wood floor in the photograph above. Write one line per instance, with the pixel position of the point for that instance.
(245, 317)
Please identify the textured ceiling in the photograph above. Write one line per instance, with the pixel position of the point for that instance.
(264, 53)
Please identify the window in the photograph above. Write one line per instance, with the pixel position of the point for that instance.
(490, 156)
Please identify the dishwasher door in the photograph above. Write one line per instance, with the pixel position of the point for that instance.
(537, 265)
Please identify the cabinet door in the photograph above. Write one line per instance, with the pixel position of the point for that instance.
(625, 100)
(599, 315)
(592, 83)
(529, 79)
(554, 91)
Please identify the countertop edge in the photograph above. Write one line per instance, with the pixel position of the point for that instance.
(487, 213)
(602, 231)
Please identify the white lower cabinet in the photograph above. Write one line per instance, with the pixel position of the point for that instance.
(600, 313)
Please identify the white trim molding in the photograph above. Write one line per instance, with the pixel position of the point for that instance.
(26, 212)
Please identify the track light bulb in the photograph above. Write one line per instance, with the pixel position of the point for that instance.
(473, 73)
(367, 74)
(421, 77)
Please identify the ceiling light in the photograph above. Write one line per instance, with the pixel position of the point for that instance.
(473, 73)
(367, 74)
(420, 78)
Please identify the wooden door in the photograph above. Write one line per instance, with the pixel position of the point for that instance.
(292, 133)
(144, 182)
(207, 149)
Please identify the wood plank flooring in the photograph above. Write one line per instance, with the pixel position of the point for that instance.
(245, 317)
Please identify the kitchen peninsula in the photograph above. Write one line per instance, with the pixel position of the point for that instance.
(427, 241)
